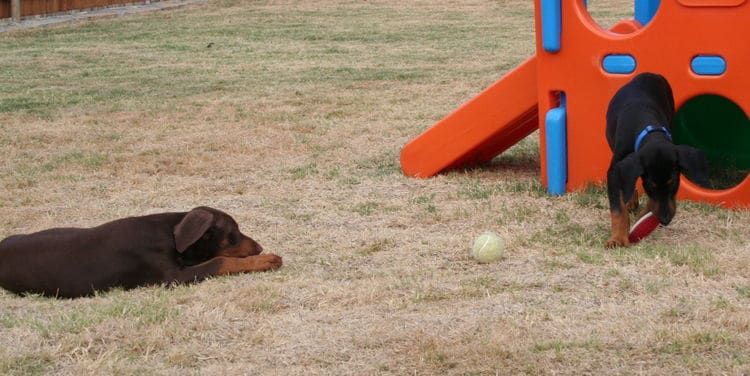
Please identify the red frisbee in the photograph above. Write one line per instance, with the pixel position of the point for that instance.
(643, 228)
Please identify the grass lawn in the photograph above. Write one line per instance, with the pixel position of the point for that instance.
(291, 116)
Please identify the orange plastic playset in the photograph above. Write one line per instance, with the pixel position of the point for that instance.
(700, 46)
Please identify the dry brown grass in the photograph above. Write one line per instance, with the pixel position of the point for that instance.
(292, 120)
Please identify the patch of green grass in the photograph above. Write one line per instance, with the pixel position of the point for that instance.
(80, 318)
(137, 61)
(266, 299)
(594, 258)
(28, 364)
(475, 190)
(424, 199)
(27, 173)
(363, 74)
(626, 284)
(655, 286)
(23, 103)
(683, 310)
(743, 291)
(592, 196)
(264, 306)
(521, 214)
(113, 136)
(332, 174)
(484, 283)
(721, 303)
(613, 273)
(698, 259)
(304, 171)
(555, 264)
(385, 164)
(703, 208)
(155, 310)
(698, 342)
(67, 322)
(350, 181)
(375, 247)
(532, 187)
(426, 202)
(87, 160)
(436, 357)
(8, 320)
(563, 234)
(429, 295)
(524, 153)
(25, 176)
(560, 346)
(484, 286)
(367, 208)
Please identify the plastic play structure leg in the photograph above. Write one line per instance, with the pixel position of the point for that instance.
(557, 149)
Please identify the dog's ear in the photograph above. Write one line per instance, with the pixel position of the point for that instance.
(191, 228)
(629, 170)
(693, 164)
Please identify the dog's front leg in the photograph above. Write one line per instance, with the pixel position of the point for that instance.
(227, 265)
(620, 227)
(618, 212)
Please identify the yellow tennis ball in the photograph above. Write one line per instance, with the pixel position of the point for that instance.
(488, 247)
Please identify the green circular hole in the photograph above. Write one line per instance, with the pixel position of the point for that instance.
(720, 128)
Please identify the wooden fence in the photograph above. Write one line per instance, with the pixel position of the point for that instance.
(36, 7)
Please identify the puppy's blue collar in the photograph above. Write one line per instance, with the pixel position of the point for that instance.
(648, 130)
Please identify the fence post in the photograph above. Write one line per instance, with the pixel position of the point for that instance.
(15, 10)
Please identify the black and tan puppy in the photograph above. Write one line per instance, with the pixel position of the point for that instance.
(130, 252)
(639, 121)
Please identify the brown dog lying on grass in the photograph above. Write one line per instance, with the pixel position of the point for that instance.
(130, 252)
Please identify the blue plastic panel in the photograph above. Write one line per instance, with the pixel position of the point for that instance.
(645, 10)
(708, 65)
(557, 149)
(551, 25)
(619, 64)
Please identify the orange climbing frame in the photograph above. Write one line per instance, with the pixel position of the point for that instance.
(510, 109)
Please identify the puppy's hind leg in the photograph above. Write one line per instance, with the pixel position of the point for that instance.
(632, 205)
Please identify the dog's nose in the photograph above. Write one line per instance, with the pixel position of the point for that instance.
(665, 217)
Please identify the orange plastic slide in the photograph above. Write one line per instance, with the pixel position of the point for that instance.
(485, 126)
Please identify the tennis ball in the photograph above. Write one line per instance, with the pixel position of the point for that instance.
(488, 247)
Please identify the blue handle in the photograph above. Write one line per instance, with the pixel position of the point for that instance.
(551, 25)
(557, 149)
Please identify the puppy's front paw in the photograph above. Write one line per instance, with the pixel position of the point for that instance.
(615, 242)
(268, 261)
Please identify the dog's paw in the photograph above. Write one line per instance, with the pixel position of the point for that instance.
(616, 242)
(268, 261)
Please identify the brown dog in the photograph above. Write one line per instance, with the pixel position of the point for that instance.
(130, 252)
